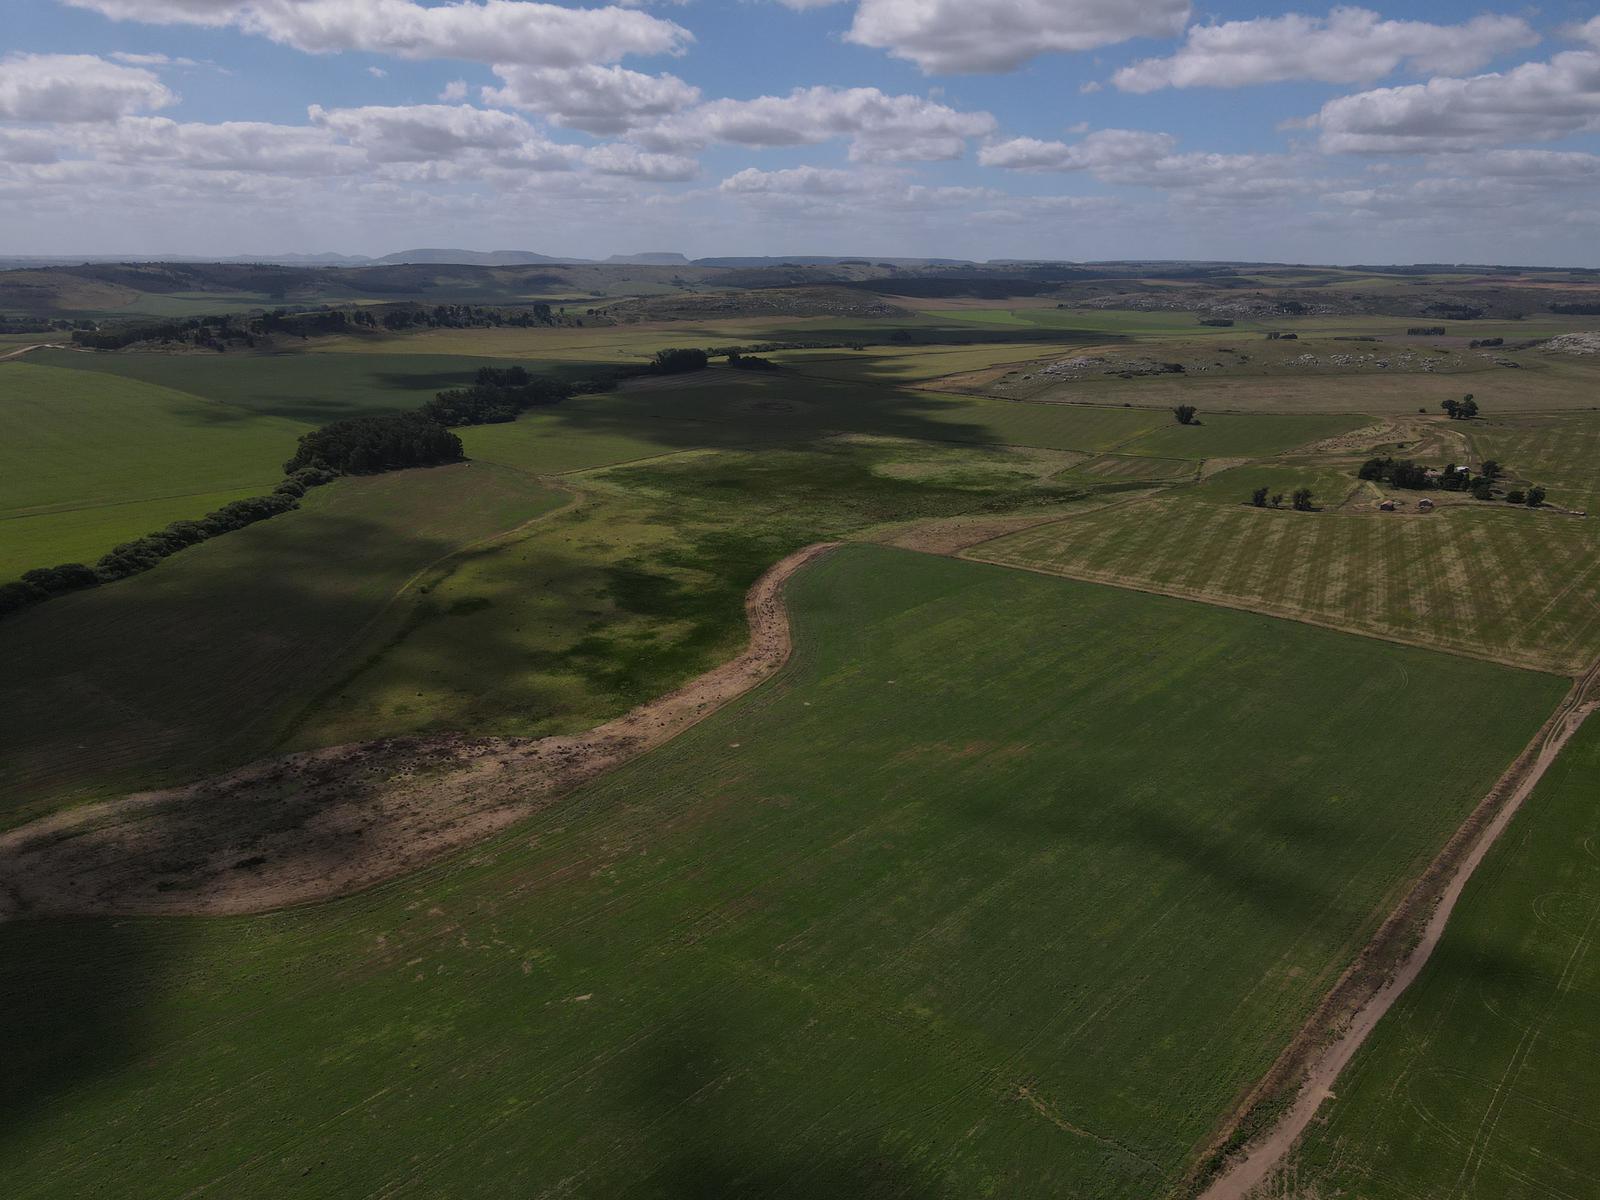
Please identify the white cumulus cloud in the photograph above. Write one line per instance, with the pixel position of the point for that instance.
(596, 99)
(1535, 101)
(516, 31)
(75, 87)
(965, 36)
(1350, 45)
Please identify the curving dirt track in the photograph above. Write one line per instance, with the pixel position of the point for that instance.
(324, 823)
(1386, 967)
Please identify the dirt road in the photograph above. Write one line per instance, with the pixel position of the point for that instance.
(1355, 1017)
(325, 823)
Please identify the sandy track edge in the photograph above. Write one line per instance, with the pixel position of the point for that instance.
(324, 823)
(1239, 1159)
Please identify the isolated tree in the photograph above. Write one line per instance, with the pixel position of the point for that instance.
(1467, 409)
(1259, 497)
(1491, 470)
(1535, 497)
(1185, 413)
(1302, 499)
(1451, 407)
(1516, 496)
(1482, 489)
(1277, 500)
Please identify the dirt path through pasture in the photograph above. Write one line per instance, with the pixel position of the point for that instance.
(1389, 963)
(29, 350)
(325, 823)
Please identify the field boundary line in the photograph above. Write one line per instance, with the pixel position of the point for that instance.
(1234, 1167)
(1196, 596)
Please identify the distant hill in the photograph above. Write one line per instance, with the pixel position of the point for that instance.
(473, 258)
(648, 260)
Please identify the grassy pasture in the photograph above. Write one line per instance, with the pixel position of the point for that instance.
(90, 460)
(1481, 1081)
(1562, 453)
(1230, 435)
(1492, 580)
(1130, 466)
(197, 665)
(1330, 488)
(826, 943)
(1543, 386)
(728, 408)
(641, 586)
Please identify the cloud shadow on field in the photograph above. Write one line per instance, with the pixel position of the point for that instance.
(688, 1092)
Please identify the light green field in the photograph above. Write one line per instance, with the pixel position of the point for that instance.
(1128, 466)
(90, 460)
(1031, 935)
(198, 664)
(1560, 453)
(83, 535)
(1549, 387)
(1330, 488)
(1493, 580)
(1481, 1081)
(1229, 435)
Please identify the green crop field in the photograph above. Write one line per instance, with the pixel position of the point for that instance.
(1031, 934)
(1492, 580)
(313, 388)
(89, 460)
(196, 665)
(1481, 1081)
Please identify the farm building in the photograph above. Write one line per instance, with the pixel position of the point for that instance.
(1386, 506)
(1425, 506)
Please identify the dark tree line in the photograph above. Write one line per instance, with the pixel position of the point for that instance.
(131, 558)
(244, 330)
(679, 361)
(384, 442)
(1463, 409)
(496, 396)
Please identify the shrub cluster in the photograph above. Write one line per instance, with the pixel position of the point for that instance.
(495, 397)
(385, 442)
(679, 362)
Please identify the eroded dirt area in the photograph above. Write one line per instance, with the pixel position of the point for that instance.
(323, 823)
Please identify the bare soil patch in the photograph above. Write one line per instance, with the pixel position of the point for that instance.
(324, 823)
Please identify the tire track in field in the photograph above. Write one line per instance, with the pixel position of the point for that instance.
(1386, 968)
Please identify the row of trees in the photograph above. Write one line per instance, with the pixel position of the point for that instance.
(131, 558)
(245, 330)
(1301, 500)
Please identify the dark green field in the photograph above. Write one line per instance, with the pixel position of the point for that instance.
(314, 388)
(953, 907)
(1483, 1079)
(198, 664)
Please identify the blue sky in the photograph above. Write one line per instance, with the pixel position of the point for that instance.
(1081, 129)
